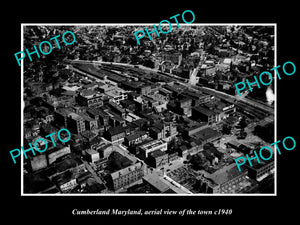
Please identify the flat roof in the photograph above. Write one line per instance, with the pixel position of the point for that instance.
(204, 111)
(234, 143)
(225, 174)
(206, 133)
(126, 170)
(157, 153)
(74, 116)
(91, 152)
(155, 181)
(135, 135)
(153, 144)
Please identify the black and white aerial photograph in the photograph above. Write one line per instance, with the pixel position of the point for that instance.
(162, 117)
(119, 113)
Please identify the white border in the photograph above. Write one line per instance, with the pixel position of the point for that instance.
(147, 24)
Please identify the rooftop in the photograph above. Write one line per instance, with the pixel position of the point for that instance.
(206, 134)
(135, 135)
(157, 153)
(116, 130)
(256, 165)
(88, 134)
(156, 182)
(224, 174)
(75, 116)
(126, 170)
(88, 93)
(91, 152)
(68, 162)
(64, 177)
(204, 111)
(153, 144)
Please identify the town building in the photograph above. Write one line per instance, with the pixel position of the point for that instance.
(55, 153)
(206, 135)
(173, 56)
(192, 148)
(104, 149)
(117, 109)
(137, 86)
(157, 158)
(127, 176)
(75, 123)
(38, 162)
(239, 147)
(115, 93)
(115, 134)
(259, 171)
(149, 147)
(163, 130)
(172, 156)
(181, 106)
(48, 157)
(92, 155)
(224, 181)
(135, 138)
(128, 104)
(90, 123)
(65, 181)
(197, 98)
(88, 135)
(61, 115)
(156, 182)
(89, 98)
(222, 110)
(204, 114)
(192, 128)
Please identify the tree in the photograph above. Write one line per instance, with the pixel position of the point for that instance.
(148, 63)
(243, 122)
(123, 60)
(265, 132)
(226, 128)
(197, 162)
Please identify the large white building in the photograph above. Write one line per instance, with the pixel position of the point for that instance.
(152, 146)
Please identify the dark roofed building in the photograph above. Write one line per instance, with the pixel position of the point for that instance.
(155, 182)
(210, 152)
(92, 186)
(259, 171)
(207, 135)
(140, 122)
(203, 114)
(89, 98)
(197, 98)
(240, 147)
(225, 180)
(135, 138)
(94, 113)
(117, 161)
(65, 181)
(71, 161)
(127, 176)
(117, 109)
(115, 134)
(35, 183)
(128, 104)
(158, 158)
(137, 86)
